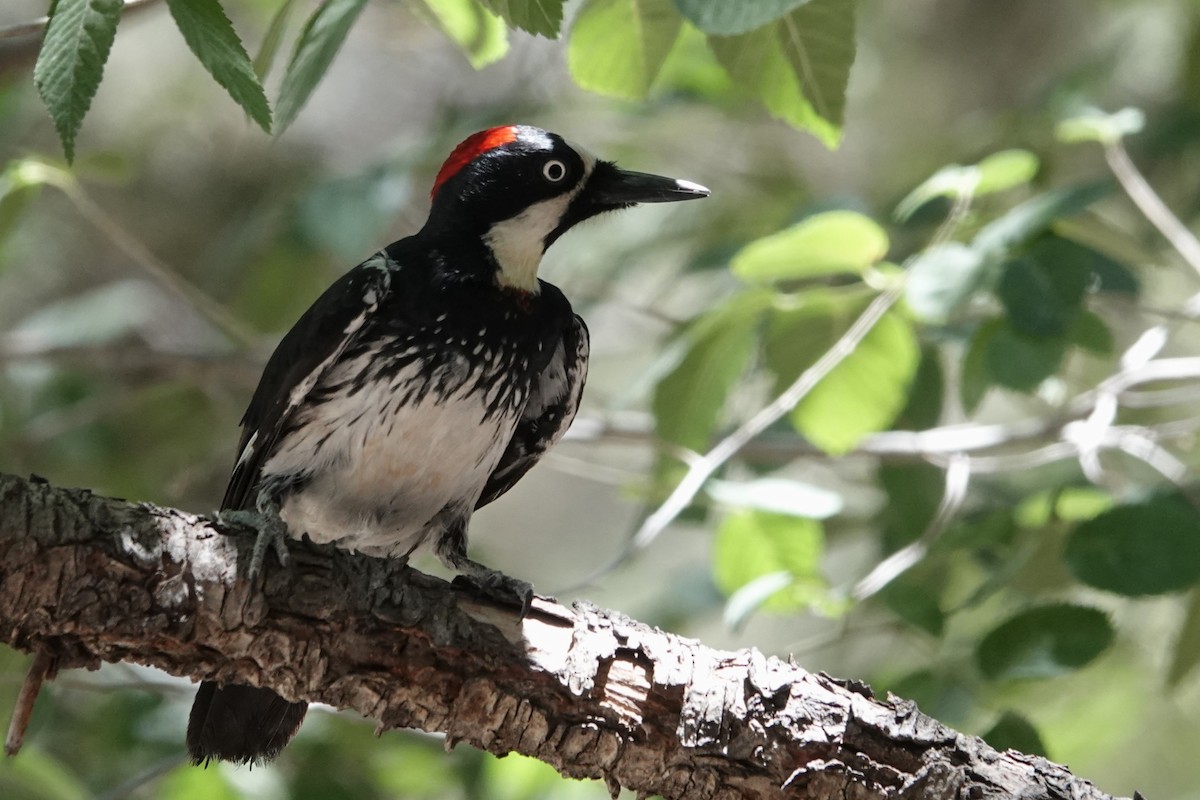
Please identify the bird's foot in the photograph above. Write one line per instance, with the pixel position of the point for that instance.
(495, 585)
(271, 533)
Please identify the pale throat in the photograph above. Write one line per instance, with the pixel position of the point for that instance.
(518, 243)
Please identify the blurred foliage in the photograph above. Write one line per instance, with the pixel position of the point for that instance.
(986, 505)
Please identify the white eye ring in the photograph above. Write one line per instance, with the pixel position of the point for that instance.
(554, 171)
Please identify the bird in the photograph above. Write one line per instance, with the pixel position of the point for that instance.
(420, 386)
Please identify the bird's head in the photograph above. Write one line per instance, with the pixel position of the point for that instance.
(517, 189)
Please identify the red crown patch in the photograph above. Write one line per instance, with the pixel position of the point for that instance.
(466, 152)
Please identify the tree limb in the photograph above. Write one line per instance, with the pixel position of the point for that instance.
(87, 579)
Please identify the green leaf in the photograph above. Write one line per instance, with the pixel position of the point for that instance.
(1005, 170)
(1030, 299)
(1087, 264)
(865, 392)
(1044, 642)
(37, 775)
(70, 64)
(727, 19)
(1069, 503)
(915, 603)
(1020, 361)
(923, 408)
(617, 47)
(1035, 216)
(976, 380)
(272, 39)
(1097, 126)
(540, 17)
(1185, 654)
(941, 279)
(479, 33)
(753, 544)
(777, 495)
(1013, 732)
(212, 38)
(996, 173)
(185, 782)
(688, 401)
(804, 325)
(830, 243)
(16, 195)
(914, 492)
(1091, 332)
(319, 42)
(798, 66)
(1146, 548)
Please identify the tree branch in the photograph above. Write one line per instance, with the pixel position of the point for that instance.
(86, 579)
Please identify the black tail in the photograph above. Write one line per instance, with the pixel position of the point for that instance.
(242, 724)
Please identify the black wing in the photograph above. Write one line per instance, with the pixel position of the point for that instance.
(308, 350)
(548, 413)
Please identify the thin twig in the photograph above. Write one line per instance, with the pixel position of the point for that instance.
(23, 709)
(1151, 205)
(958, 480)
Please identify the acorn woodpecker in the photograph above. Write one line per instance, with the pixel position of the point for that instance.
(420, 386)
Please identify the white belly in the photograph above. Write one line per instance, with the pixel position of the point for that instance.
(382, 470)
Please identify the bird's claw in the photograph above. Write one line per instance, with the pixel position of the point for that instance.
(495, 585)
(270, 533)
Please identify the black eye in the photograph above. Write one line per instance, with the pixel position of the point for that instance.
(554, 171)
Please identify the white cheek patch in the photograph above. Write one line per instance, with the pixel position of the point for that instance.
(519, 242)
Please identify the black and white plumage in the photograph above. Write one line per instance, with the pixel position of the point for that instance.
(422, 385)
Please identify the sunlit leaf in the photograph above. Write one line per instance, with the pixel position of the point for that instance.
(728, 18)
(798, 66)
(319, 42)
(777, 495)
(1005, 170)
(688, 401)
(71, 61)
(479, 33)
(541, 17)
(617, 47)
(751, 544)
(186, 782)
(824, 244)
(1145, 548)
(1044, 642)
(996, 173)
(211, 37)
(1069, 503)
(1097, 126)
(865, 392)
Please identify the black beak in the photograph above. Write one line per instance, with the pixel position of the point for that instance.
(617, 187)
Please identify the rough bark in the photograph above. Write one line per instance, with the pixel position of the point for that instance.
(87, 579)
